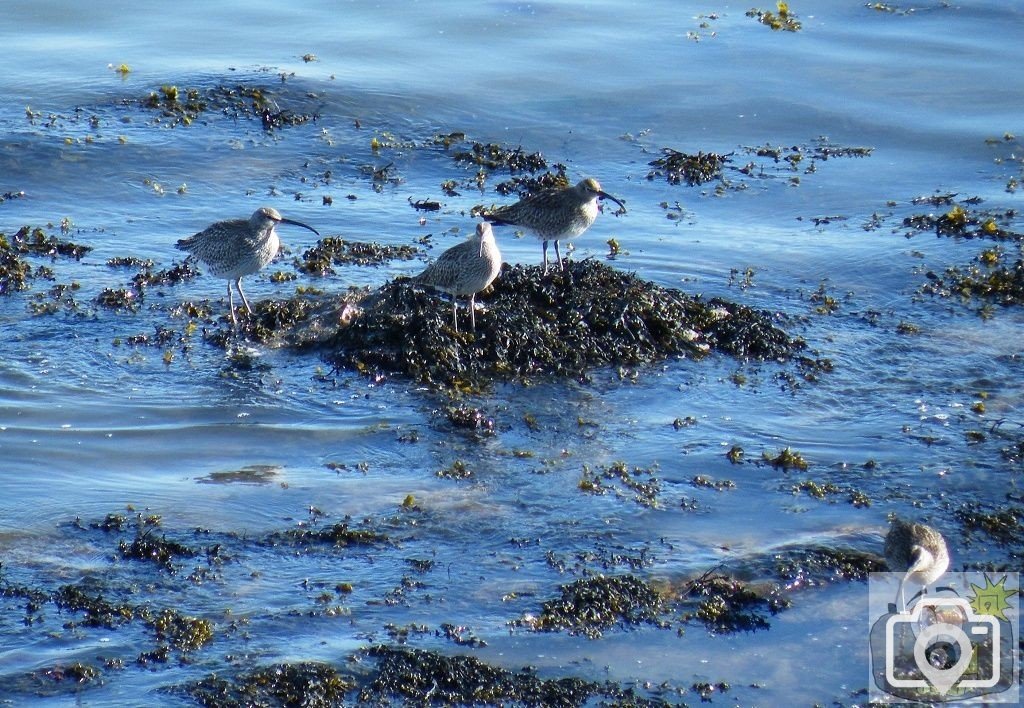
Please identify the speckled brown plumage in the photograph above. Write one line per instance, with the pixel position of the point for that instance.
(235, 248)
(465, 269)
(916, 550)
(555, 214)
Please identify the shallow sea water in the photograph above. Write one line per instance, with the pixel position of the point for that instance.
(90, 425)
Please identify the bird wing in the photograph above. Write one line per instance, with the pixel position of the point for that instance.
(526, 210)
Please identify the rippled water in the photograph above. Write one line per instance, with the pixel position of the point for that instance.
(90, 425)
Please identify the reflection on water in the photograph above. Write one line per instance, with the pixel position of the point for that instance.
(93, 425)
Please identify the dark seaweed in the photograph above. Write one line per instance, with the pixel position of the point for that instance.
(308, 684)
(420, 677)
(727, 605)
(590, 606)
(561, 325)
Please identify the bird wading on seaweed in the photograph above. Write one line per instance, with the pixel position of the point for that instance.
(555, 214)
(236, 248)
(465, 269)
(916, 550)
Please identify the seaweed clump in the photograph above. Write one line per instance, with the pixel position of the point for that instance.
(643, 491)
(268, 319)
(310, 684)
(782, 19)
(726, 605)
(1005, 526)
(985, 278)
(183, 106)
(36, 242)
(679, 167)
(828, 490)
(333, 251)
(98, 611)
(591, 605)
(787, 459)
(338, 535)
(422, 677)
(560, 325)
(493, 156)
(962, 222)
(812, 567)
(146, 547)
(524, 186)
(15, 272)
(183, 632)
(57, 680)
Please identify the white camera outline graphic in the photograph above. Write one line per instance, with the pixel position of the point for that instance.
(923, 641)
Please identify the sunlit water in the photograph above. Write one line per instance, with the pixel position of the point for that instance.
(90, 425)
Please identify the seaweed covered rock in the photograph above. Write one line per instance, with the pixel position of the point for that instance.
(726, 605)
(563, 325)
(310, 684)
(416, 676)
(591, 605)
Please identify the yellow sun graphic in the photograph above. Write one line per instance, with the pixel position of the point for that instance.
(992, 599)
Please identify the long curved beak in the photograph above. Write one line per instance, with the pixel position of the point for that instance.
(622, 207)
(299, 223)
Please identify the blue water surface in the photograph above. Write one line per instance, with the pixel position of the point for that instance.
(92, 425)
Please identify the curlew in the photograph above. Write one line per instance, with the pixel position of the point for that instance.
(555, 214)
(465, 269)
(236, 248)
(916, 550)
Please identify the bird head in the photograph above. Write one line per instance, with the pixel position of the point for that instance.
(483, 232)
(268, 217)
(591, 188)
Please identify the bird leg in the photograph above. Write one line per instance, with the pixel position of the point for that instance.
(545, 251)
(455, 312)
(559, 256)
(472, 312)
(231, 307)
(238, 284)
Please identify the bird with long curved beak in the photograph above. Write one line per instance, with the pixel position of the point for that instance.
(555, 214)
(235, 248)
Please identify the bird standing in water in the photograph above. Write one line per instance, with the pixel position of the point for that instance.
(236, 248)
(555, 214)
(916, 550)
(465, 269)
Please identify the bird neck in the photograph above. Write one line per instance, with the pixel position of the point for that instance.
(922, 558)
